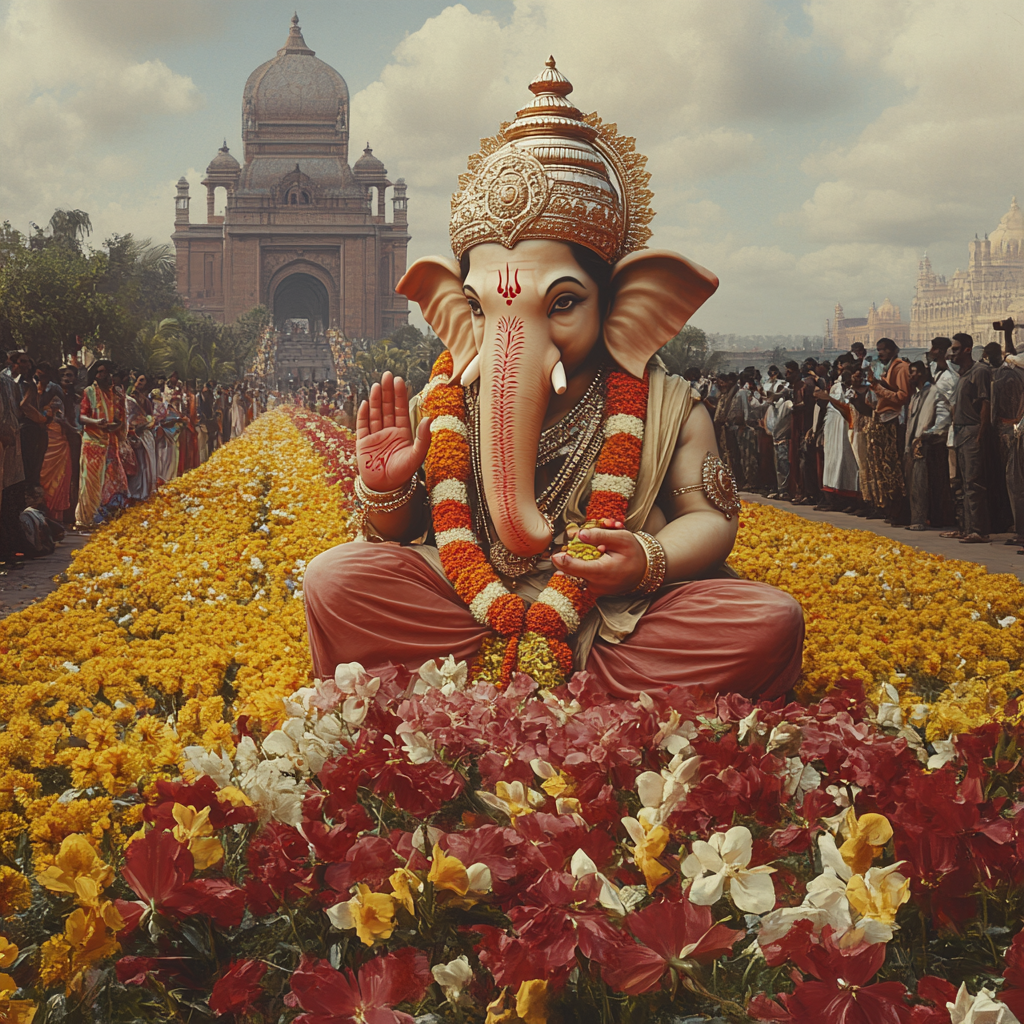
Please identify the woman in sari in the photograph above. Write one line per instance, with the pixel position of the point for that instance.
(139, 410)
(237, 412)
(168, 427)
(103, 484)
(55, 475)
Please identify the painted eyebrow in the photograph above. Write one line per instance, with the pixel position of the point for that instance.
(562, 280)
(469, 288)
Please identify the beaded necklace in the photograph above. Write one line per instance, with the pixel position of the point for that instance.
(531, 640)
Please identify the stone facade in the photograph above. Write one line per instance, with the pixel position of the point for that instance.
(883, 322)
(992, 288)
(302, 232)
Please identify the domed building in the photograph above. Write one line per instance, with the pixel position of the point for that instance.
(990, 289)
(881, 322)
(302, 232)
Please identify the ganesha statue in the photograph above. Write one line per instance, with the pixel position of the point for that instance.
(553, 500)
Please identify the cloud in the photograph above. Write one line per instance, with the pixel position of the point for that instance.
(76, 97)
(930, 167)
(668, 74)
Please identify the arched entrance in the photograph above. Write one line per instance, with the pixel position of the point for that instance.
(301, 297)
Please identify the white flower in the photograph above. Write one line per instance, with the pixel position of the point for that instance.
(70, 666)
(479, 875)
(726, 857)
(660, 792)
(581, 866)
(850, 573)
(800, 779)
(247, 756)
(889, 713)
(204, 762)
(418, 745)
(453, 977)
(450, 677)
(945, 751)
(748, 726)
(1003, 623)
(350, 676)
(276, 793)
(675, 735)
(980, 1009)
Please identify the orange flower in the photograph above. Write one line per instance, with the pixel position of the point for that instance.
(447, 872)
(866, 837)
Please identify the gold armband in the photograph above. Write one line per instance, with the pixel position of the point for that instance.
(718, 485)
(657, 563)
(384, 501)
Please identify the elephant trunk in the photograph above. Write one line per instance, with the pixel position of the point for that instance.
(514, 393)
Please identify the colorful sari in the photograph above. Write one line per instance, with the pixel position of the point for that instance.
(142, 482)
(103, 486)
(55, 475)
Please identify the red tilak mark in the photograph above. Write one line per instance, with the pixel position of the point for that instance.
(510, 289)
(508, 352)
(378, 455)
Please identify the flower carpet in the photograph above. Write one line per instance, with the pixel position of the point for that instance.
(191, 828)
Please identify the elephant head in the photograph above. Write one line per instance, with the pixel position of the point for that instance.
(527, 318)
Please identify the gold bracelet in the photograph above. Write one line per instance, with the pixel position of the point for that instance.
(657, 563)
(382, 502)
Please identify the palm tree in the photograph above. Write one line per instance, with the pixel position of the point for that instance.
(70, 226)
(149, 350)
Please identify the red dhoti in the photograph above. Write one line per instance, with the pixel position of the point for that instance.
(376, 603)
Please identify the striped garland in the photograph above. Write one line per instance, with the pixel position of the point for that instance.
(536, 635)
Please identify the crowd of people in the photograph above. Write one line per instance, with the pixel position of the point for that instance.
(79, 444)
(938, 442)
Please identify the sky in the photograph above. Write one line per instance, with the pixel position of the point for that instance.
(807, 152)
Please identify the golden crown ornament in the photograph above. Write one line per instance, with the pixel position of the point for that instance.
(553, 173)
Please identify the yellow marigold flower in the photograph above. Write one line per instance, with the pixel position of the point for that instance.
(866, 837)
(371, 914)
(14, 1011)
(55, 961)
(879, 893)
(403, 883)
(15, 892)
(8, 952)
(77, 859)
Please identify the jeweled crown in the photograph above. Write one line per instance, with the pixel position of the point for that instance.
(554, 173)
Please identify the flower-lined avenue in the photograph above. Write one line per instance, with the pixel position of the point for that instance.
(191, 827)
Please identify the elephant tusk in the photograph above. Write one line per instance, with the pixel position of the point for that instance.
(471, 372)
(558, 378)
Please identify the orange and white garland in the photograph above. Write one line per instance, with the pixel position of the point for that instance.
(533, 639)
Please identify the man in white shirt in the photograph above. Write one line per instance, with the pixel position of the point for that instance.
(928, 419)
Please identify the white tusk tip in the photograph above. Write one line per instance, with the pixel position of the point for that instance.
(558, 381)
(471, 372)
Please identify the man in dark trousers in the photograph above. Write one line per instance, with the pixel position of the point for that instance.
(1007, 412)
(927, 423)
(971, 423)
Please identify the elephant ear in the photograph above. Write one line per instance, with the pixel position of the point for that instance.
(435, 283)
(654, 293)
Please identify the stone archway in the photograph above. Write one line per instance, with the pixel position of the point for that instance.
(301, 296)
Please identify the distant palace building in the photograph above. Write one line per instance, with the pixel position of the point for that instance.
(883, 322)
(302, 232)
(992, 287)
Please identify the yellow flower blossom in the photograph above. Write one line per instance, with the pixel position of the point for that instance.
(8, 952)
(866, 837)
(77, 859)
(15, 892)
(879, 893)
(649, 845)
(371, 914)
(14, 1011)
(194, 829)
(447, 872)
(403, 884)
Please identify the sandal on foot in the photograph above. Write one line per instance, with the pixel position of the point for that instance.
(976, 538)
(916, 527)
(952, 535)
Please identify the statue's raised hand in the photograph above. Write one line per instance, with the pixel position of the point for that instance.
(387, 451)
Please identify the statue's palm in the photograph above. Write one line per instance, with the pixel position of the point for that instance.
(387, 451)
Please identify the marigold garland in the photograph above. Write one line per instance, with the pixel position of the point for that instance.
(528, 639)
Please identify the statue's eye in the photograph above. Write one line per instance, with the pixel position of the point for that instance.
(474, 307)
(564, 302)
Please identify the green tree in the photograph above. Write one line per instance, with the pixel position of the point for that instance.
(690, 348)
(375, 359)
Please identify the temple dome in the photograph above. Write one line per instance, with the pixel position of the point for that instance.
(223, 161)
(368, 166)
(1011, 227)
(295, 86)
(887, 311)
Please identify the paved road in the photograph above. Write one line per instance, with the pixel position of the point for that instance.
(23, 586)
(996, 556)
